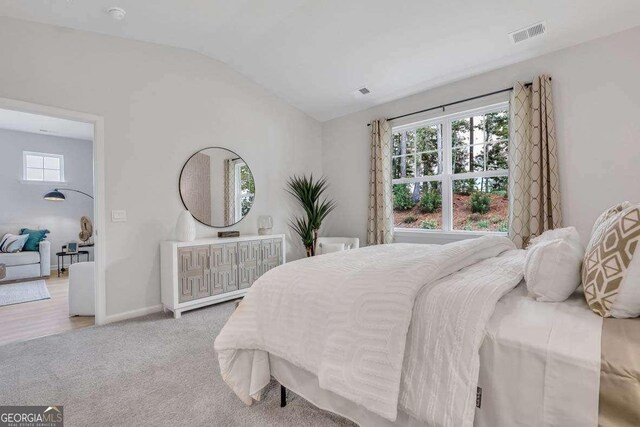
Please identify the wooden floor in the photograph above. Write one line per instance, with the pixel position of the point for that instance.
(20, 322)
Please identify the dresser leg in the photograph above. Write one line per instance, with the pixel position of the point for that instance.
(283, 396)
(176, 314)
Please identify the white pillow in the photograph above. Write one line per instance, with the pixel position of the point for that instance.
(552, 268)
(567, 233)
(327, 248)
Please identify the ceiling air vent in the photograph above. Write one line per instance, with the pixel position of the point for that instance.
(364, 91)
(534, 30)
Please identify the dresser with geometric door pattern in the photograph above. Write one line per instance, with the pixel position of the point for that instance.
(209, 271)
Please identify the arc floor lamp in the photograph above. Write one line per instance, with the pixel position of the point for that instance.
(57, 196)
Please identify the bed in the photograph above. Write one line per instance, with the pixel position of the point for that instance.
(463, 345)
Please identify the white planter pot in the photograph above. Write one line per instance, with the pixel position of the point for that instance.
(186, 227)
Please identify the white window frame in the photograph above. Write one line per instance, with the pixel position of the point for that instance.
(60, 157)
(447, 176)
(237, 190)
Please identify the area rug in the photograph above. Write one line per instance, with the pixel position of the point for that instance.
(16, 293)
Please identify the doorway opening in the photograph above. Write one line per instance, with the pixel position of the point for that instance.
(51, 222)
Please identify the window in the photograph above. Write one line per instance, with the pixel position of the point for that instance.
(451, 173)
(244, 188)
(42, 167)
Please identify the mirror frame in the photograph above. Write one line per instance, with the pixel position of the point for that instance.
(180, 182)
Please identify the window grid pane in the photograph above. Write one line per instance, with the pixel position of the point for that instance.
(418, 205)
(481, 204)
(52, 163)
(51, 175)
(34, 161)
(35, 174)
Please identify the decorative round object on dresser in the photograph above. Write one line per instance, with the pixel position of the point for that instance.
(217, 187)
(185, 227)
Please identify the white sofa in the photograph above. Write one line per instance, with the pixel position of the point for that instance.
(82, 289)
(26, 264)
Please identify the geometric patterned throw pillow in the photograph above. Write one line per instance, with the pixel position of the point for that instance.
(610, 275)
(605, 217)
(11, 243)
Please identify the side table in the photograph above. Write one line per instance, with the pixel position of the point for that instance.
(70, 255)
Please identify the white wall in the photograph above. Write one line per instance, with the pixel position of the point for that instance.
(597, 107)
(22, 203)
(159, 106)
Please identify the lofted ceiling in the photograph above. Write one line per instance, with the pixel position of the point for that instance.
(45, 125)
(315, 54)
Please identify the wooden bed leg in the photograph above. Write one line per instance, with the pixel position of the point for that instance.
(283, 396)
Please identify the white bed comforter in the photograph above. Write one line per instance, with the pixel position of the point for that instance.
(344, 317)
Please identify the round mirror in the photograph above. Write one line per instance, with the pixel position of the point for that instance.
(217, 187)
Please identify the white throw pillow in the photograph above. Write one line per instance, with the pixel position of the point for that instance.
(552, 268)
(567, 233)
(327, 248)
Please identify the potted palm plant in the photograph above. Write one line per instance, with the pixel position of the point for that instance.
(309, 194)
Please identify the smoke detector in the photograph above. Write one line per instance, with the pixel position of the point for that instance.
(529, 32)
(117, 13)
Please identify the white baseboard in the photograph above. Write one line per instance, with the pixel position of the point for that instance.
(133, 313)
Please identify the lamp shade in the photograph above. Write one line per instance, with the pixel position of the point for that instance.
(55, 196)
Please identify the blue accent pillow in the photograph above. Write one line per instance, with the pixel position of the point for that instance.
(35, 237)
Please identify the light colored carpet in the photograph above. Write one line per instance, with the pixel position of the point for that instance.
(16, 293)
(150, 371)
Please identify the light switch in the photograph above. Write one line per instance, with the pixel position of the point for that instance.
(118, 216)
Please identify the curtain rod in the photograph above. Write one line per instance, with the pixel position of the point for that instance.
(443, 106)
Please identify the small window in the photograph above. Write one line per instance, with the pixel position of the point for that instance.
(42, 167)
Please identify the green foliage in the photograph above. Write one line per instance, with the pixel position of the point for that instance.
(429, 224)
(247, 189)
(409, 219)
(483, 223)
(402, 197)
(430, 201)
(480, 202)
(246, 180)
(309, 194)
(503, 227)
(245, 205)
(304, 230)
(464, 186)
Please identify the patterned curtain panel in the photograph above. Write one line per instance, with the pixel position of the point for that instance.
(380, 226)
(229, 192)
(534, 189)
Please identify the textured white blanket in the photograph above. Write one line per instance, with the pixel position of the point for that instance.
(344, 317)
(442, 360)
